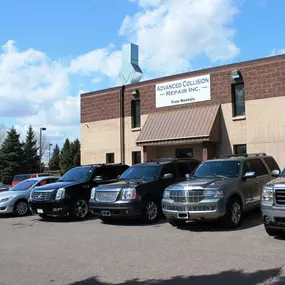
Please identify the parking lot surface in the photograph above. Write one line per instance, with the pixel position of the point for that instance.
(33, 251)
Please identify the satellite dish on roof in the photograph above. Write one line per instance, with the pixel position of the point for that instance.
(130, 71)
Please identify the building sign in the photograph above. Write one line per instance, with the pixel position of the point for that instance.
(183, 91)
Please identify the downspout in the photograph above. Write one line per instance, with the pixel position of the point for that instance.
(122, 124)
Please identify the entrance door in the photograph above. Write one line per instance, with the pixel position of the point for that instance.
(184, 153)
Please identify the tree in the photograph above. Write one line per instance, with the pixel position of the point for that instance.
(55, 159)
(75, 149)
(31, 156)
(11, 156)
(66, 159)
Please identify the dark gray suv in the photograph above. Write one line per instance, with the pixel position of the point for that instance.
(222, 188)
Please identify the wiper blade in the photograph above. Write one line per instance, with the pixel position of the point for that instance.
(221, 176)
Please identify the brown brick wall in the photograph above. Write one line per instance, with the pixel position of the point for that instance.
(263, 78)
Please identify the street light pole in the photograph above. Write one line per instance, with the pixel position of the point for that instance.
(41, 129)
(49, 146)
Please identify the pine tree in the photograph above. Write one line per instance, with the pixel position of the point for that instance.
(55, 159)
(75, 149)
(31, 156)
(11, 156)
(66, 157)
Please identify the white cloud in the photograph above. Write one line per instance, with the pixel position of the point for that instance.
(171, 33)
(277, 52)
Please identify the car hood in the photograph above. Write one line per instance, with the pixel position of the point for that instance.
(216, 183)
(57, 185)
(11, 194)
(277, 182)
(122, 184)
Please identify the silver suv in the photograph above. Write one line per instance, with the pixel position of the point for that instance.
(273, 204)
(222, 188)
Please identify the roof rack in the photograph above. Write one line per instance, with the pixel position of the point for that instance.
(241, 154)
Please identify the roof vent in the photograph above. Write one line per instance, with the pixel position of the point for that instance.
(130, 71)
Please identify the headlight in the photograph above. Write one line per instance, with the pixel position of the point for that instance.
(213, 194)
(267, 194)
(166, 194)
(5, 199)
(129, 194)
(93, 191)
(60, 194)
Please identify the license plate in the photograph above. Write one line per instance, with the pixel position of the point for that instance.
(106, 213)
(40, 211)
(182, 215)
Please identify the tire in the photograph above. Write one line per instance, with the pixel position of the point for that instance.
(21, 208)
(176, 222)
(234, 214)
(80, 209)
(272, 232)
(151, 210)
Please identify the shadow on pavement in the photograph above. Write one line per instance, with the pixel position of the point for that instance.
(270, 276)
(251, 219)
(130, 222)
(65, 219)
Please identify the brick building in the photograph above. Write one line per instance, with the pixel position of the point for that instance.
(221, 110)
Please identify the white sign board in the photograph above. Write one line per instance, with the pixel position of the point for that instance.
(183, 91)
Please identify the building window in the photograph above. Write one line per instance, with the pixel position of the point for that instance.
(110, 157)
(136, 157)
(184, 153)
(240, 149)
(136, 113)
(238, 99)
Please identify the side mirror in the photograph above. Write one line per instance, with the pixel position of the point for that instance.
(98, 178)
(275, 173)
(168, 176)
(249, 175)
(187, 176)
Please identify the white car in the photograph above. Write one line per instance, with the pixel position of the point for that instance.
(16, 199)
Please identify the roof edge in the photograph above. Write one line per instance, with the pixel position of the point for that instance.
(267, 59)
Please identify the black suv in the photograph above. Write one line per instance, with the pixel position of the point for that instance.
(139, 191)
(70, 194)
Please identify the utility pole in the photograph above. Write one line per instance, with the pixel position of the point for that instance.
(41, 130)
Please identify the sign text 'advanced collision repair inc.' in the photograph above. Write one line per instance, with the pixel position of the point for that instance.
(183, 91)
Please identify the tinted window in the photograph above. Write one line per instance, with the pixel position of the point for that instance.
(168, 168)
(82, 174)
(193, 165)
(183, 169)
(106, 173)
(120, 169)
(257, 166)
(136, 113)
(238, 99)
(210, 169)
(24, 185)
(270, 161)
(141, 171)
(22, 177)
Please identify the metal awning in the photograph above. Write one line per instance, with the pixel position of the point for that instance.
(189, 125)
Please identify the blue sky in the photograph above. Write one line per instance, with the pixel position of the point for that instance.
(51, 51)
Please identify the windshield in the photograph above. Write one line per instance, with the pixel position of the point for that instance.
(82, 174)
(144, 172)
(24, 185)
(212, 169)
(282, 173)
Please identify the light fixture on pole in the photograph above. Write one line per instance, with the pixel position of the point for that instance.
(41, 130)
(49, 146)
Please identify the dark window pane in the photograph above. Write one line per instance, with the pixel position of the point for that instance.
(238, 99)
(257, 166)
(169, 168)
(240, 149)
(184, 153)
(270, 161)
(136, 157)
(136, 113)
(183, 169)
(110, 157)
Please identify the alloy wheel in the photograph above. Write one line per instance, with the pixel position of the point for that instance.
(151, 210)
(22, 208)
(81, 209)
(236, 213)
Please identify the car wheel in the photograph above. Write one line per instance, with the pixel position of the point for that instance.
(234, 213)
(80, 209)
(21, 208)
(176, 222)
(272, 232)
(150, 210)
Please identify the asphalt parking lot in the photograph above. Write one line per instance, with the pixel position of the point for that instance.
(36, 252)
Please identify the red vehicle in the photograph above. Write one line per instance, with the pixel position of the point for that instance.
(20, 177)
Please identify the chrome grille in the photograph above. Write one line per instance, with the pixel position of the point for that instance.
(42, 196)
(106, 196)
(280, 197)
(189, 208)
(187, 196)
